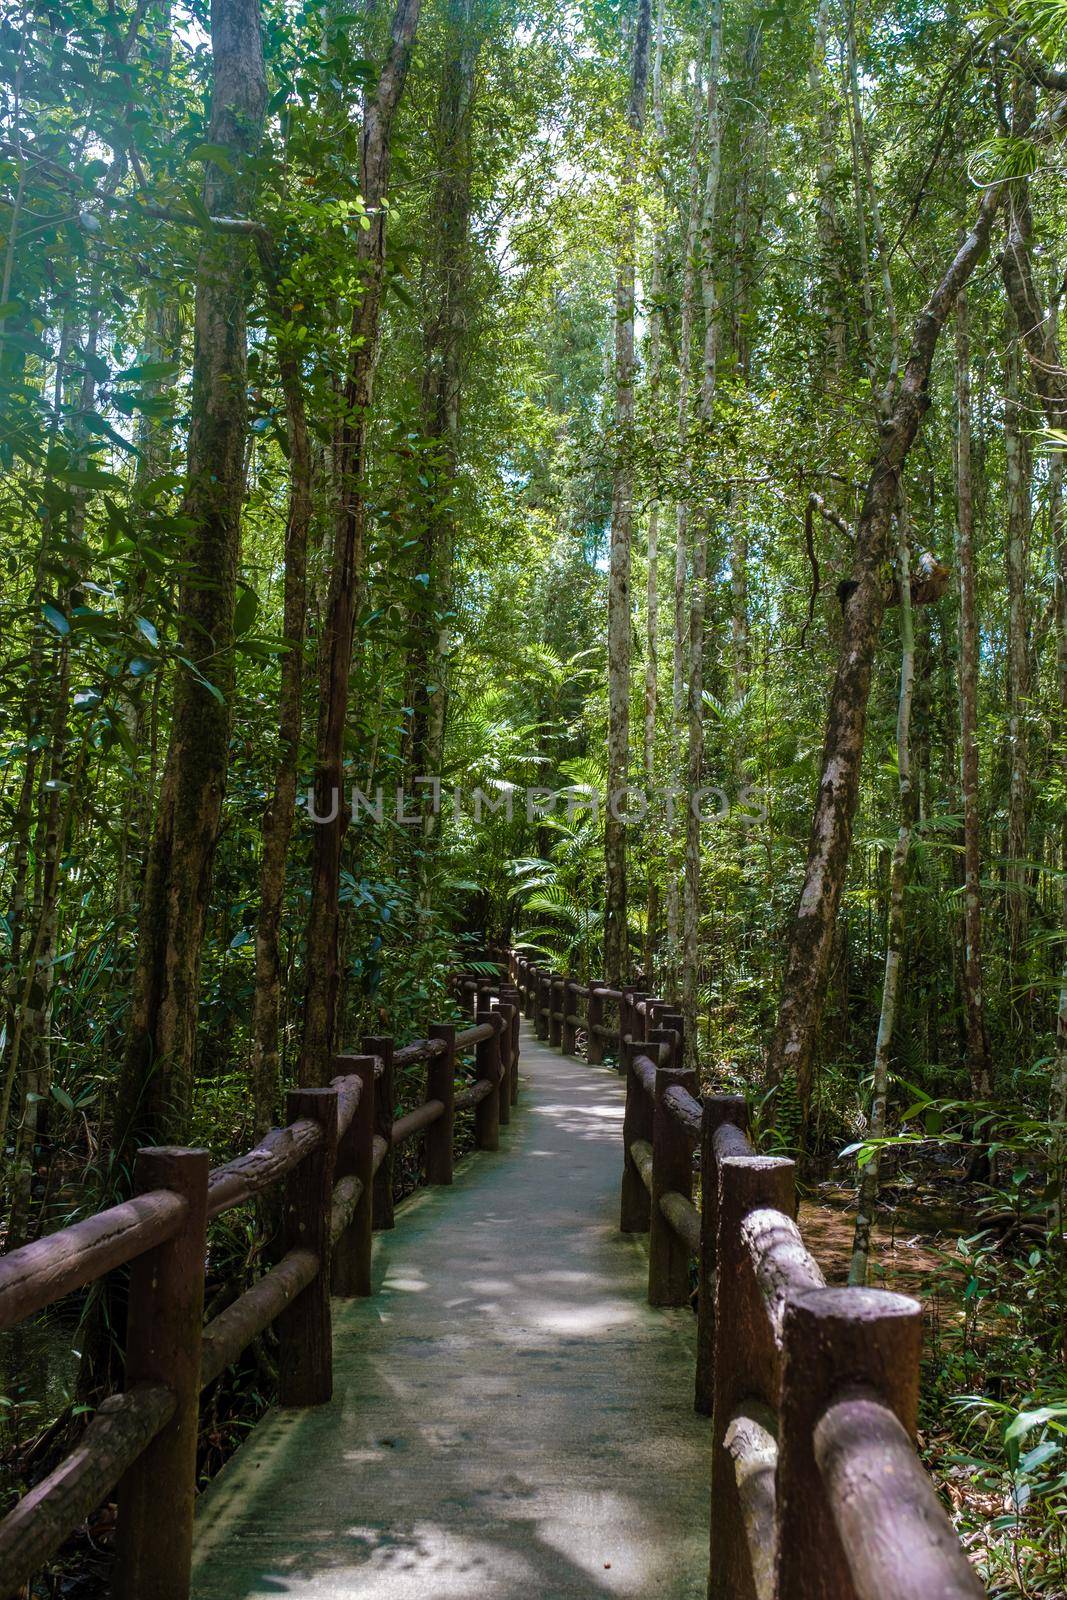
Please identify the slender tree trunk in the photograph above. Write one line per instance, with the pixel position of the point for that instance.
(158, 1068)
(743, 244)
(655, 364)
(701, 526)
(347, 561)
(681, 529)
(280, 815)
(897, 922)
(616, 931)
(811, 937)
(978, 1057)
(831, 285)
(1017, 483)
(446, 301)
(1041, 343)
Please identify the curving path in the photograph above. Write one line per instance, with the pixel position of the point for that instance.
(510, 1418)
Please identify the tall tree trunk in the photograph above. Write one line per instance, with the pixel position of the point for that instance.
(158, 1067)
(743, 242)
(616, 930)
(280, 814)
(1017, 485)
(698, 579)
(831, 285)
(812, 934)
(322, 955)
(978, 1058)
(446, 302)
(676, 850)
(1040, 340)
(655, 366)
(897, 922)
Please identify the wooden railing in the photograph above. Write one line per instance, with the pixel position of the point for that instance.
(817, 1492)
(334, 1161)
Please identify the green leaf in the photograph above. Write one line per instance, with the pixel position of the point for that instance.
(1026, 1421)
(217, 154)
(149, 372)
(148, 630)
(55, 619)
(246, 610)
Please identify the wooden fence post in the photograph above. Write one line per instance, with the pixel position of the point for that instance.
(543, 986)
(636, 1207)
(834, 1339)
(441, 1085)
(674, 1022)
(350, 1265)
(512, 998)
(746, 1361)
(555, 1001)
(502, 1023)
(487, 1111)
(635, 1023)
(594, 1050)
(569, 1007)
(305, 1343)
(384, 1107)
(627, 1020)
(166, 1308)
(529, 989)
(717, 1110)
(672, 1169)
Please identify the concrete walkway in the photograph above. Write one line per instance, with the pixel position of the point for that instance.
(510, 1418)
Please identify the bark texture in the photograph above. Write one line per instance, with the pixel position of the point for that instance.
(347, 559)
(158, 1066)
(812, 933)
(978, 1056)
(616, 932)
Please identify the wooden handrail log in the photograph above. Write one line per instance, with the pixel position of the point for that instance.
(683, 1217)
(347, 1193)
(730, 1140)
(751, 1443)
(32, 1532)
(418, 1050)
(234, 1329)
(49, 1268)
(414, 1121)
(781, 1261)
(645, 1072)
(276, 1154)
(474, 1093)
(685, 1109)
(605, 993)
(897, 1538)
(602, 1031)
(348, 1092)
(473, 1036)
(641, 1151)
(381, 1150)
